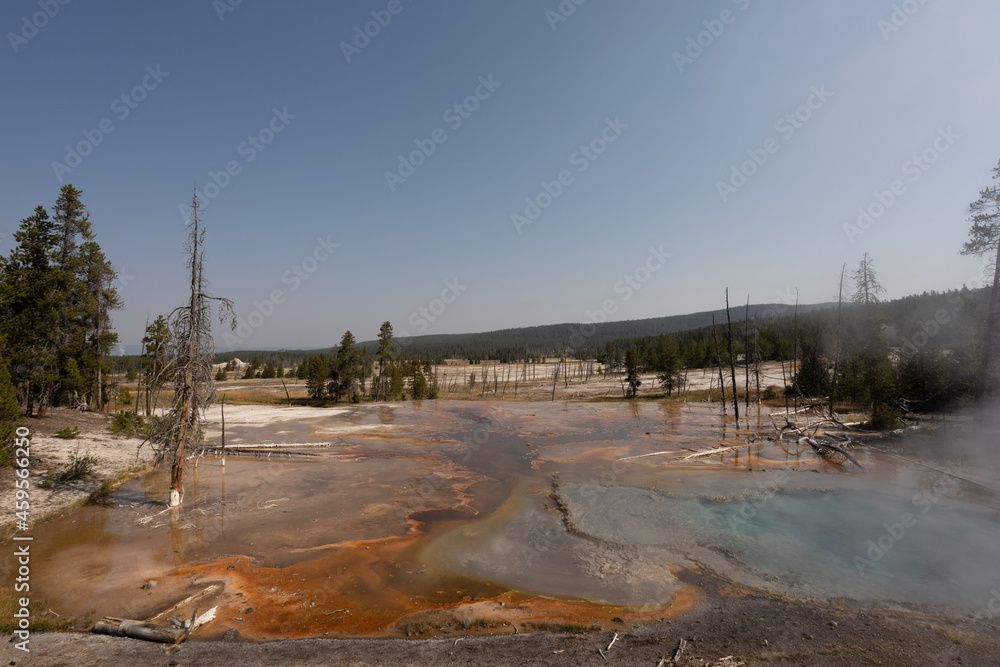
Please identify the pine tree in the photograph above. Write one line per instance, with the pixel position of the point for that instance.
(156, 350)
(632, 371)
(317, 369)
(10, 414)
(984, 241)
(102, 299)
(75, 300)
(347, 367)
(386, 357)
(29, 303)
(418, 385)
(667, 363)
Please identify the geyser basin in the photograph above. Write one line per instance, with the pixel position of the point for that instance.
(569, 512)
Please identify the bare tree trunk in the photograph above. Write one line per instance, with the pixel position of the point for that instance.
(195, 388)
(718, 359)
(177, 470)
(746, 356)
(795, 351)
(223, 430)
(756, 358)
(836, 350)
(784, 382)
(732, 363)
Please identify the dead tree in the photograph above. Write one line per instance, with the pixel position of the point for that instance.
(732, 363)
(795, 350)
(746, 357)
(718, 360)
(192, 352)
(836, 351)
(756, 357)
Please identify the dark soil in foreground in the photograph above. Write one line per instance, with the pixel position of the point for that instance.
(740, 625)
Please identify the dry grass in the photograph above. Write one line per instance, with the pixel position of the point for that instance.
(565, 627)
(38, 623)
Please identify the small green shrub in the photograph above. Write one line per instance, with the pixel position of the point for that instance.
(79, 467)
(68, 433)
(123, 396)
(887, 418)
(126, 423)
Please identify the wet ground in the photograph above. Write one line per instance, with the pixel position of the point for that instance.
(424, 519)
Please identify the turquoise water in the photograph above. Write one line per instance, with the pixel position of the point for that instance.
(859, 543)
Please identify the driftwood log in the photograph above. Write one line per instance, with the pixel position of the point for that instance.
(123, 627)
(819, 445)
(186, 601)
(150, 631)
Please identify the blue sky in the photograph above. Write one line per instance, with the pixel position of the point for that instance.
(618, 99)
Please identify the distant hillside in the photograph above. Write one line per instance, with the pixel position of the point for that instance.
(558, 338)
(907, 320)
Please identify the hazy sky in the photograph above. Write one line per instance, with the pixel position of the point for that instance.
(623, 122)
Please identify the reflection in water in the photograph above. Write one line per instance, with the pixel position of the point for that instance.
(445, 507)
(386, 415)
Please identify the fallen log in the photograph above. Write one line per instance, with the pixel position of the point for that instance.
(710, 452)
(186, 601)
(820, 445)
(123, 627)
(266, 445)
(642, 456)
